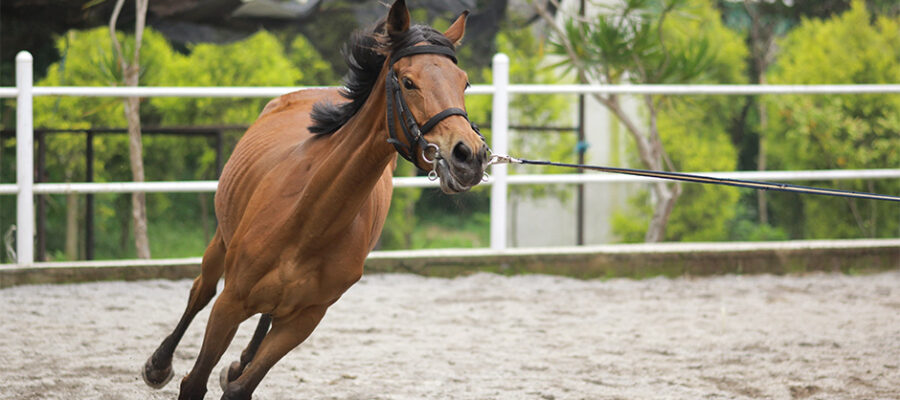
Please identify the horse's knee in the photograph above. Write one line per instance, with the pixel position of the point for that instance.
(207, 292)
(205, 286)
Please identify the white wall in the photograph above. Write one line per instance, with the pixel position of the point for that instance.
(552, 221)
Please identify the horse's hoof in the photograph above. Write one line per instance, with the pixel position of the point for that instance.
(228, 374)
(156, 378)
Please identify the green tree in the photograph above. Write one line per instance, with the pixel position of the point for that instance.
(526, 48)
(762, 23)
(315, 71)
(694, 131)
(129, 63)
(88, 61)
(630, 42)
(838, 131)
(261, 62)
(652, 42)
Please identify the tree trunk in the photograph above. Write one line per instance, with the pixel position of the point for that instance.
(762, 50)
(130, 73)
(124, 226)
(666, 193)
(649, 144)
(761, 202)
(138, 199)
(72, 226)
(652, 154)
(665, 203)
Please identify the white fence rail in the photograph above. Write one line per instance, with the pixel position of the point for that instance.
(25, 189)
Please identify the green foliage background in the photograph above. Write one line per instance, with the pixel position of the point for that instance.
(180, 224)
(838, 131)
(811, 132)
(695, 133)
(807, 132)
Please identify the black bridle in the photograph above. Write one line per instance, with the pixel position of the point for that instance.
(415, 135)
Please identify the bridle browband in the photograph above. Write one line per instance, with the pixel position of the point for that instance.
(415, 135)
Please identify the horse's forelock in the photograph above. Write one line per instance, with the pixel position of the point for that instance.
(419, 34)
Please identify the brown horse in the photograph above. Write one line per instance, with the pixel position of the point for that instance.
(305, 194)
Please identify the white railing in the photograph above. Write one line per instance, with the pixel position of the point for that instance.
(25, 189)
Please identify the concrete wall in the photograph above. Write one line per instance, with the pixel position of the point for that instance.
(600, 261)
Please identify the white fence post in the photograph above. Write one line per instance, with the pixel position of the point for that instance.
(500, 145)
(24, 160)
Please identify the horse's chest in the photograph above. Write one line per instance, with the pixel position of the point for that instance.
(309, 280)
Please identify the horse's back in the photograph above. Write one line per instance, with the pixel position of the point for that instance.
(301, 100)
(280, 128)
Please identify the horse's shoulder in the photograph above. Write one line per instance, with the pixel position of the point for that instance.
(301, 99)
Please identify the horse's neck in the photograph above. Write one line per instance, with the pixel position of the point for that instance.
(362, 142)
(359, 154)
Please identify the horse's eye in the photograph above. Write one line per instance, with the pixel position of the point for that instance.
(408, 84)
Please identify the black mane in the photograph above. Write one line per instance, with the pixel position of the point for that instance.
(365, 55)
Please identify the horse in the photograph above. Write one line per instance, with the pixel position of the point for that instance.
(304, 196)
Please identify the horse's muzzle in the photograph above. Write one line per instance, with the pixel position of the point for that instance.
(463, 168)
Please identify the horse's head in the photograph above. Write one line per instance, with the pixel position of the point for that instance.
(425, 95)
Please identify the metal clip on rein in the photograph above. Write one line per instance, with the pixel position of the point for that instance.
(502, 159)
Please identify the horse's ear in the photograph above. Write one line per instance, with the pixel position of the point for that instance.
(398, 19)
(456, 31)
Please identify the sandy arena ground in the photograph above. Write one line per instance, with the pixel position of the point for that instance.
(820, 336)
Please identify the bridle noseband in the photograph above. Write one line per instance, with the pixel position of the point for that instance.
(415, 135)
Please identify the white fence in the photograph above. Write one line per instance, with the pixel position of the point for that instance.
(25, 189)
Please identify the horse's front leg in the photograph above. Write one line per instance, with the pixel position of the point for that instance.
(286, 334)
(226, 315)
(158, 369)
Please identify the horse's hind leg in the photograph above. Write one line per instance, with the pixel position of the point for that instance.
(286, 333)
(233, 371)
(158, 370)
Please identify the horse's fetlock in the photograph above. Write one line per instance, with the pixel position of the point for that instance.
(235, 392)
(191, 391)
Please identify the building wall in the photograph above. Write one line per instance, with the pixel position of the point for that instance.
(552, 221)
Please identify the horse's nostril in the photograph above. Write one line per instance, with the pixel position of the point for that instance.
(461, 152)
(483, 153)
